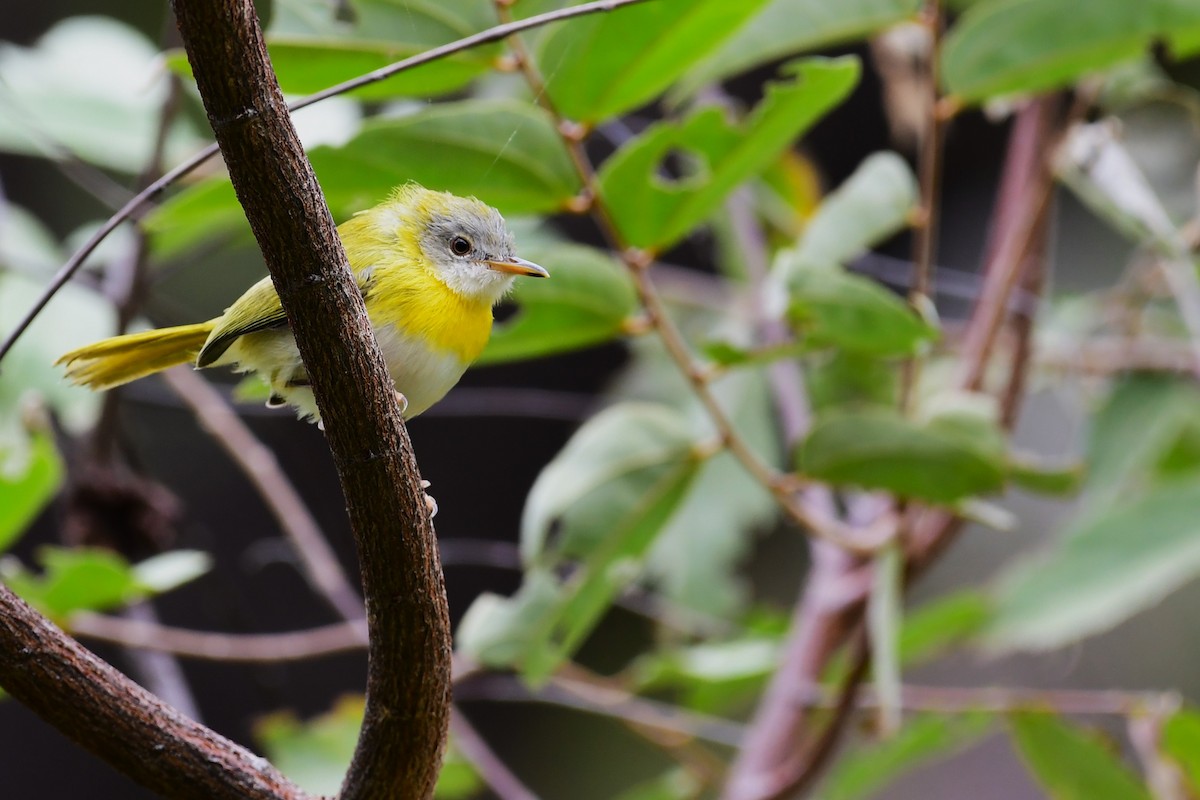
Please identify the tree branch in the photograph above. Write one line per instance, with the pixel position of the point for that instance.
(106, 713)
(408, 682)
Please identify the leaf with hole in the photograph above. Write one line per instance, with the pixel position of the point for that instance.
(654, 213)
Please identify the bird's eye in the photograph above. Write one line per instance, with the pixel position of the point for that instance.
(460, 246)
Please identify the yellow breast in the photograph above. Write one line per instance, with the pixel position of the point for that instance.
(400, 292)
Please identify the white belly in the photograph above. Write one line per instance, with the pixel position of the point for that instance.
(421, 375)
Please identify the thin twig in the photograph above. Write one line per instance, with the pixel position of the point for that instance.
(925, 234)
(475, 749)
(341, 637)
(141, 199)
(320, 563)
(782, 488)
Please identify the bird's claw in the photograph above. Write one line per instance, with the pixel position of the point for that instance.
(430, 503)
(402, 400)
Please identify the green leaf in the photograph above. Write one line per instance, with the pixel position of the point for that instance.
(587, 301)
(786, 27)
(611, 490)
(592, 72)
(654, 213)
(831, 307)
(951, 457)
(167, 571)
(843, 379)
(1181, 742)
(873, 204)
(1137, 426)
(598, 467)
(940, 624)
(94, 579)
(696, 558)
(315, 753)
(91, 87)
(74, 317)
(26, 488)
(1024, 46)
(866, 769)
(26, 244)
(505, 153)
(1070, 763)
(1104, 570)
(1055, 479)
(884, 615)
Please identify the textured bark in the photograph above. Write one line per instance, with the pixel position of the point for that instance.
(110, 715)
(408, 683)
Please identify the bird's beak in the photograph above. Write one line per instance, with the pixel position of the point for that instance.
(518, 266)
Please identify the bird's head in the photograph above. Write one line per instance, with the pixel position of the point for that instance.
(463, 241)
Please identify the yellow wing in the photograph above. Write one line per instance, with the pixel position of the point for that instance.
(258, 309)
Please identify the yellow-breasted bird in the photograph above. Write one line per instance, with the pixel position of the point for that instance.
(430, 266)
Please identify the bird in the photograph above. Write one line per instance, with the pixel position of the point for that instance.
(430, 266)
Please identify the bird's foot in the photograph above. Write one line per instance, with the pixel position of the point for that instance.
(402, 400)
(430, 503)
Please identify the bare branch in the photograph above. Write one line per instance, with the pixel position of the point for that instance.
(114, 718)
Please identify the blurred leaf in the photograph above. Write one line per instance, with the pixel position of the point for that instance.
(695, 559)
(74, 317)
(607, 464)
(874, 203)
(653, 213)
(90, 86)
(1024, 46)
(786, 27)
(315, 753)
(951, 457)
(611, 490)
(167, 571)
(506, 153)
(1053, 479)
(586, 301)
(1137, 426)
(500, 632)
(1070, 763)
(311, 50)
(711, 676)
(884, 615)
(26, 488)
(831, 307)
(590, 75)
(1103, 570)
(867, 768)
(1181, 742)
(674, 784)
(841, 380)
(26, 244)
(87, 579)
(940, 624)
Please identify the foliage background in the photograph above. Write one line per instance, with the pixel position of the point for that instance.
(483, 465)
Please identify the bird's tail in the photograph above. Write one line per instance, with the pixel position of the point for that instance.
(121, 359)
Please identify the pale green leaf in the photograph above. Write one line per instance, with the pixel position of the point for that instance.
(884, 618)
(73, 579)
(605, 64)
(25, 488)
(167, 571)
(1024, 46)
(868, 768)
(931, 629)
(586, 301)
(1103, 571)
(314, 753)
(945, 460)
(654, 213)
(92, 87)
(1070, 763)
(787, 27)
